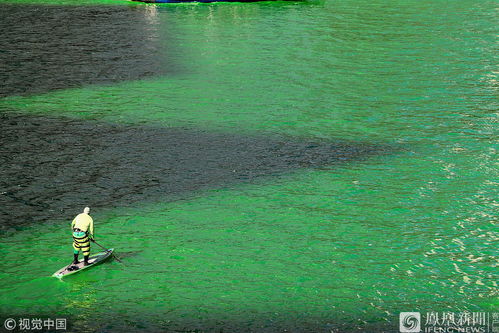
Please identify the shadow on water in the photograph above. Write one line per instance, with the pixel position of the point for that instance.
(53, 166)
(55, 47)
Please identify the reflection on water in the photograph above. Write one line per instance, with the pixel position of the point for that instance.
(52, 47)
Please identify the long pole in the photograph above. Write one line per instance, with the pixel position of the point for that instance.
(115, 257)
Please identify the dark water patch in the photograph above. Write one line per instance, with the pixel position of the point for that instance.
(43, 48)
(52, 167)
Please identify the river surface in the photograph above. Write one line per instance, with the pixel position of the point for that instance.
(316, 166)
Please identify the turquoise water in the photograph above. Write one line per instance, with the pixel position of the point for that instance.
(342, 244)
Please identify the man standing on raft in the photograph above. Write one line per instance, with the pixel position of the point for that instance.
(83, 231)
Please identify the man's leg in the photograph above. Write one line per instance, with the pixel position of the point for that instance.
(75, 254)
(86, 253)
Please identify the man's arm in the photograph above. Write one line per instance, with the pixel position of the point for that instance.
(91, 228)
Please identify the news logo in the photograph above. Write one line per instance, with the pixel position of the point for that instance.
(410, 322)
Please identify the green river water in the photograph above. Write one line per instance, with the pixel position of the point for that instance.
(338, 246)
